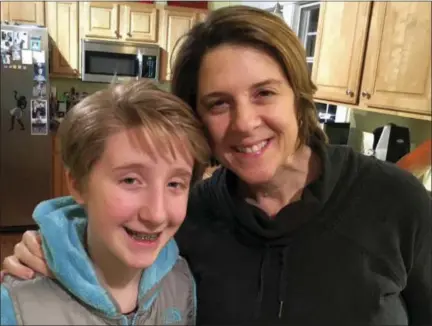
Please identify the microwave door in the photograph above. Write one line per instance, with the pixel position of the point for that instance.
(104, 62)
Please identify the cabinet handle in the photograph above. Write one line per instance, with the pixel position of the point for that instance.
(117, 34)
(129, 34)
(349, 92)
(365, 94)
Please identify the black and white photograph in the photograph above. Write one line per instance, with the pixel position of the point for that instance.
(21, 40)
(39, 72)
(6, 58)
(6, 40)
(39, 114)
(39, 89)
(16, 113)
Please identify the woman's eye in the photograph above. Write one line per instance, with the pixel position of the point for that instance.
(265, 93)
(129, 181)
(218, 105)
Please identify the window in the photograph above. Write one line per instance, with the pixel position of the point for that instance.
(305, 23)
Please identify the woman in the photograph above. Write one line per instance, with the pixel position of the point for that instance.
(290, 230)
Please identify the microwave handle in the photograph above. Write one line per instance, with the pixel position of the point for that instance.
(140, 64)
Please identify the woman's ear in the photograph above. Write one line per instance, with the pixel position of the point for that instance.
(74, 188)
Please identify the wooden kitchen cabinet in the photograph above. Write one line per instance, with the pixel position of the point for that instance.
(27, 12)
(120, 21)
(99, 19)
(397, 71)
(62, 24)
(176, 22)
(139, 22)
(375, 55)
(339, 49)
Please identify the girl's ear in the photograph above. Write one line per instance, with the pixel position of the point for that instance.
(74, 188)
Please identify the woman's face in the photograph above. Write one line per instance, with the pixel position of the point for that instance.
(247, 105)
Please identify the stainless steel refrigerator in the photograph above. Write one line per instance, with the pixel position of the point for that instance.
(25, 141)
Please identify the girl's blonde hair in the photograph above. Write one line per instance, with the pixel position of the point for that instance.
(140, 103)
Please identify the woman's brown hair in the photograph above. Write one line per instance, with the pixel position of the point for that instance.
(242, 25)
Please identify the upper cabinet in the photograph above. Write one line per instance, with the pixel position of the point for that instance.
(31, 12)
(139, 22)
(62, 23)
(397, 72)
(339, 48)
(123, 21)
(70, 21)
(100, 19)
(176, 23)
(375, 55)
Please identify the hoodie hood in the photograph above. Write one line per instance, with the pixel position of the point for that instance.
(62, 223)
(251, 224)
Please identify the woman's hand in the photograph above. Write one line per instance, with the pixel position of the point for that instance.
(28, 258)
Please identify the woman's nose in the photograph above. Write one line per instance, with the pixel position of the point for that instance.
(245, 118)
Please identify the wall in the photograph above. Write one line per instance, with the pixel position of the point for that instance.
(65, 84)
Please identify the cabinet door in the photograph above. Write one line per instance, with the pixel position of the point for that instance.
(62, 23)
(397, 73)
(27, 12)
(139, 22)
(177, 23)
(339, 49)
(100, 19)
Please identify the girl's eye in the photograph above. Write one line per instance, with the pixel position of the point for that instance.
(177, 185)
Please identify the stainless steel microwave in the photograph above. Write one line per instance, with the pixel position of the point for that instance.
(102, 60)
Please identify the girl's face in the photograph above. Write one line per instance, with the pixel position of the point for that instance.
(136, 197)
(248, 107)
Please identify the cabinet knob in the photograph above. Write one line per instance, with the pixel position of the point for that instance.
(365, 94)
(129, 34)
(117, 34)
(349, 92)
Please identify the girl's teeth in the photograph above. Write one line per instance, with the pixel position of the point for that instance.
(145, 237)
(142, 236)
(252, 149)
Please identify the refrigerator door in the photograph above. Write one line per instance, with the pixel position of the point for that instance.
(25, 142)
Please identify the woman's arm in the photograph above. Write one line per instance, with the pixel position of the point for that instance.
(28, 258)
(418, 291)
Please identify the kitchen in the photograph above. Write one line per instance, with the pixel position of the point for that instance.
(345, 63)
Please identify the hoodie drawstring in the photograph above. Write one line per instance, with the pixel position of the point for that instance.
(261, 283)
(282, 280)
